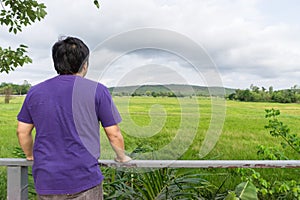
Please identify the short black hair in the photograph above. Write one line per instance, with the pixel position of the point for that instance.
(69, 55)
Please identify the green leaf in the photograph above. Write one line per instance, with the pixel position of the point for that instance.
(43, 13)
(231, 196)
(34, 3)
(32, 16)
(96, 2)
(246, 191)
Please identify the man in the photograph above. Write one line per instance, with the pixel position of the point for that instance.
(66, 111)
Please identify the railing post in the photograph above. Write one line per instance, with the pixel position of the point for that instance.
(17, 182)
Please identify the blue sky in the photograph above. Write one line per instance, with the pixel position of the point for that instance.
(249, 41)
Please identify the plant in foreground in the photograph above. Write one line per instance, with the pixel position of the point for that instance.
(287, 189)
(157, 184)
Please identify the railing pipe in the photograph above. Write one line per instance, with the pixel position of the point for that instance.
(203, 164)
(178, 163)
(17, 169)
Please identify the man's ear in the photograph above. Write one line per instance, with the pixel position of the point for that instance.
(85, 65)
(84, 68)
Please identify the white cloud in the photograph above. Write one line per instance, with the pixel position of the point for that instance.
(245, 38)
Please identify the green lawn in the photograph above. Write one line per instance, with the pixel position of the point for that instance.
(175, 128)
(8, 124)
(243, 129)
(154, 122)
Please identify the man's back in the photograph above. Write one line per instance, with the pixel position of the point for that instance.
(66, 111)
(63, 164)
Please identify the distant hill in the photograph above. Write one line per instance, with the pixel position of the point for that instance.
(169, 90)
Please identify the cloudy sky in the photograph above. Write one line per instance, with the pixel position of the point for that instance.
(245, 41)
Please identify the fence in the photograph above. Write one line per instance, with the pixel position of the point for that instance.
(17, 169)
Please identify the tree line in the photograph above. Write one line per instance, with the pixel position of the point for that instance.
(151, 93)
(9, 89)
(15, 89)
(257, 94)
(253, 94)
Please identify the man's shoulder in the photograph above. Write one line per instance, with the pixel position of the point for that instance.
(86, 81)
(42, 84)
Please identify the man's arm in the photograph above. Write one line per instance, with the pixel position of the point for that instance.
(116, 140)
(25, 138)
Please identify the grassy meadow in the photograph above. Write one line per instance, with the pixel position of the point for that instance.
(243, 129)
(151, 124)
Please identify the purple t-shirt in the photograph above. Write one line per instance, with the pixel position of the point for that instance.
(66, 111)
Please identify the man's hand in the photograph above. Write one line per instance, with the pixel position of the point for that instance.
(29, 158)
(123, 159)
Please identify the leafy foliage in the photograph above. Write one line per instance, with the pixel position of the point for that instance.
(16, 89)
(246, 190)
(255, 94)
(270, 153)
(156, 184)
(96, 2)
(173, 184)
(278, 129)
(10, 59)
(16, 14)
(287, 189)
(117, 184)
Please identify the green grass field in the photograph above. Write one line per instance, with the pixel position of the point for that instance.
(8, 124)
(155, 123)
(243, 129)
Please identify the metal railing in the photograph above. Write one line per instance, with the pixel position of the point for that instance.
(17, 169)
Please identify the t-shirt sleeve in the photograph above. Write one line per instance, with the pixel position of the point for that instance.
(24, 114)
(106, 110)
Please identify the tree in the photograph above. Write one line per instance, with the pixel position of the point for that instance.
(254, 88)
(148, 93)
(23, 89)
(271, 90)
(7, 92)
(244, 95)
(232, 96)
(15, 15)
(154, 94)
